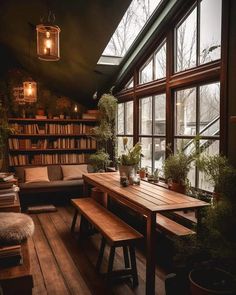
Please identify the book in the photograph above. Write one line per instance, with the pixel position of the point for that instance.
(40, 117)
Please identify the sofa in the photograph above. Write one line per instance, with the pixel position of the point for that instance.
(55, 185)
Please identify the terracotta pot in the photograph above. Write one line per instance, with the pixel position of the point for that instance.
(211, 281)
(40, 112)
(142, 174)
(178, 187)
(99, 196)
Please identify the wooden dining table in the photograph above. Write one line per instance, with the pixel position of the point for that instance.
(146, 199)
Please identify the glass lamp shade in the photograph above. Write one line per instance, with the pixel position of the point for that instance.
(30, 91)
(48, 42)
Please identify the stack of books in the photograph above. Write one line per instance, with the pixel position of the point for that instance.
(8, 189)
(10, 255)
(91, 114)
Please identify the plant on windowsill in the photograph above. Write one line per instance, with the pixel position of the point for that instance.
(129, 161)
(216, 169)
(176, 168)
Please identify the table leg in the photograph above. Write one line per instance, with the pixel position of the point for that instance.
(150, 254)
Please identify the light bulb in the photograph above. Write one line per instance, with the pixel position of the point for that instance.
(95, 95)
(76, 108)
(30, 90)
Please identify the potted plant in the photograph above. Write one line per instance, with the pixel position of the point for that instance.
(104, 133)
(5, 131)
(142, 172)
(129, 161)
(216, 169)
(176, 167)
(210, 257)
(99, 161)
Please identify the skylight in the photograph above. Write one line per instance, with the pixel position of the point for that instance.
(131, 24)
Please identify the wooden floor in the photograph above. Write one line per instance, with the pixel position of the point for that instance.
(62, 264)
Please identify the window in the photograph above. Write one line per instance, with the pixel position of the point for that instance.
(130, 84)
(155, 67)
(190, 101)
(152, 130)
(190, 53)
(197, 111)
(124, 125)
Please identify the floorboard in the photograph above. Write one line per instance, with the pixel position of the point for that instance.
(63, 264)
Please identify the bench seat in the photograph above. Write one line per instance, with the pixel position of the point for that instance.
(115, 231)
(169, 226)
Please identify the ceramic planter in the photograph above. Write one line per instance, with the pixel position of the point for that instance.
(126, 170)
(211, 281)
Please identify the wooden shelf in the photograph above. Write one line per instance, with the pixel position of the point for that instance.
(63, 121)
(49, 150)
(80, 163)
(48, 135)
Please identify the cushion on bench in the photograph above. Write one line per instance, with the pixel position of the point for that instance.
(59, 184)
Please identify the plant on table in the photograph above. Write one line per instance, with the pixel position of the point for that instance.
(128, 161)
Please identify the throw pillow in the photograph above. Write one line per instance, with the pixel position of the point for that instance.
(36, 174)
(71, 172)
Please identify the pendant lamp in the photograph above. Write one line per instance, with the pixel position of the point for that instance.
(30, 91)
(48, 40)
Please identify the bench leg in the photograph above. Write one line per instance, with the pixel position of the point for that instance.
(111, 261)
(74, 221)
(100, 255)
(133, 266)
(126, 256)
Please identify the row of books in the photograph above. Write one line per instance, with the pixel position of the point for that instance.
(79, 128)
(61, 143)
(45, 159)
(10, 255)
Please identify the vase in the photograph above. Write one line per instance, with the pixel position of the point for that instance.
(127, 171)
(211, 281)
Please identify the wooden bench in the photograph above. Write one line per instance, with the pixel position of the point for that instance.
(114, 231)
(169, 226)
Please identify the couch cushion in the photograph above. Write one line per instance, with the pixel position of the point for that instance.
(36, 174)
(71, 172)
(54, 172)
(54, 185)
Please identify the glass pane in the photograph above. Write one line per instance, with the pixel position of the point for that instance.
(160, 114)
(130, 84)
(159, 153)
(129, 117)
(210, 109)
(146, 74)
(134, 19)
(120, 118)
(186, 35)
(120, 146)
(146, 115)
(188, 146)
(209, 147)
(160, 62)
(185, 112)
(146, 161)
(210, 30)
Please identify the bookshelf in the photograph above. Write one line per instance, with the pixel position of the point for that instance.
(50, 141)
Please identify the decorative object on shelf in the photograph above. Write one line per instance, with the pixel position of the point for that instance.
(48, 39)
(63, 106)
(128, 162)
(30, 91)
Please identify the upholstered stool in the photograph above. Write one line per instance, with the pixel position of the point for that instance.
(15, 228)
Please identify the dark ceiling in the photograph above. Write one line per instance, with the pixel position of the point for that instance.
(86, 27)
